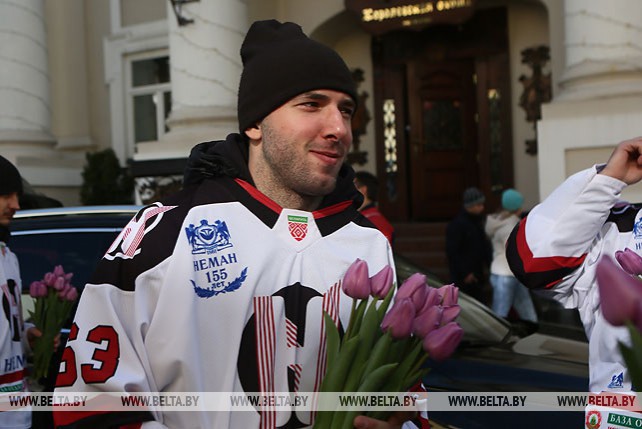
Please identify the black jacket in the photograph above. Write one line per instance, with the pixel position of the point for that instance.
(467, 247)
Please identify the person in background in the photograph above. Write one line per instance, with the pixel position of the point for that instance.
(368, 185)
(468, 249)
(222, 286)
(557, 246)
(507, 290)
(16, 337)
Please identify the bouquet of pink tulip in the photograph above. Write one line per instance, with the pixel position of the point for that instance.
(621, 304)
(54, 298)
(381, 350)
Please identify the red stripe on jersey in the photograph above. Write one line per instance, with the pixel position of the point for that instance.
(12, 377)
(549, 263)
(266, 345)
(296, 369)
(259, 196)
(334, 209)
(291, 331)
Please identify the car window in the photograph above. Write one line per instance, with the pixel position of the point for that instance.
(78, 251)
(480, 325)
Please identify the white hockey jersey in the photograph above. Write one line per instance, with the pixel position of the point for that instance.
(12, 357)
(556, 248)
(217, 290)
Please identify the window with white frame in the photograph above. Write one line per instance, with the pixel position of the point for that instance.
(149, 96)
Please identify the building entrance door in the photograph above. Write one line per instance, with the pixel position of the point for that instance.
(442, 136)
(443, 96)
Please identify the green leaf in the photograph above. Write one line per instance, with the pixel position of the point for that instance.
(336, 375)
(397, 382)
(372, 383)
(379, 355)
(333, 341)
(633, 356)
(356, 316)
(370, 331)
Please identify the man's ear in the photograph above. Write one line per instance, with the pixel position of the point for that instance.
(254, 132)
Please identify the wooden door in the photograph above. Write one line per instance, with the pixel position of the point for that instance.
(442, 136)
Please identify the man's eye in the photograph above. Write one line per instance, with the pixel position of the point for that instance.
(348, 111)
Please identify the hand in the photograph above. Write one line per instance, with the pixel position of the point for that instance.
(395, 421)
(625, 162)
(34, 333)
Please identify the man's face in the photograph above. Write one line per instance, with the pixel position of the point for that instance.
(302, 144)
(8, 206)
(476, 209)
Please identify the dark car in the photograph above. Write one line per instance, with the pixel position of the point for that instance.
(498, 356)
(494, 355)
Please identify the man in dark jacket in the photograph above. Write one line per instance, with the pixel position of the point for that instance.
(468, 249)
(220, 287)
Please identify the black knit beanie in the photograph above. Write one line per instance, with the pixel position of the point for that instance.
(281, 62)
(10, 180)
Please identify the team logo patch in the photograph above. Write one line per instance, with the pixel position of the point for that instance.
(213, 267)
(617, 381)
(127, 244)
(637, 229)
(593, 419)
(298, 226)
(220, 286)
(208, 238)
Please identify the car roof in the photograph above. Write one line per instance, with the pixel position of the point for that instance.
(73, 217)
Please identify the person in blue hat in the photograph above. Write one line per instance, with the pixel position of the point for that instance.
(508, 292)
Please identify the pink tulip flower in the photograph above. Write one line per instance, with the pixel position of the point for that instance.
(59, 284)
(399, 319)
(432, 299)
(449, 314)
(449, 294)
(382, 282)
(442, 342)
(630, 261)
(58, 271)
(49, 279)
(427, 321)
(415, 288)
(71, 294)
(620, 294)
(37, 289)
(356, 283)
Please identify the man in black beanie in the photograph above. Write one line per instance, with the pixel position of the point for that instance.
(13, 334)
(222, 287)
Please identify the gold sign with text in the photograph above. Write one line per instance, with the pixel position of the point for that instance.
(381, 16)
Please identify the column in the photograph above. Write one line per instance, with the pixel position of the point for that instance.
(603, 42)
(205, 72)
(25, 112)
(599, 99)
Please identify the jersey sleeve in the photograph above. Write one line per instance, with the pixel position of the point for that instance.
(105, 355)
(548, 247)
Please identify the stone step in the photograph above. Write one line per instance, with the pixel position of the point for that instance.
(424, 244)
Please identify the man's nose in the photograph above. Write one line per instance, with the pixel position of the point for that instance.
(337, 124)
(14, 202)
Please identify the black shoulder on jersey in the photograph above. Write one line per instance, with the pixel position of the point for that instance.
(624, 216)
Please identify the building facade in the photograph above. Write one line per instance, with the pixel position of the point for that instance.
(491, 93)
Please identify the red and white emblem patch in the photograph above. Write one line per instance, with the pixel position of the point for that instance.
(298, 226)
